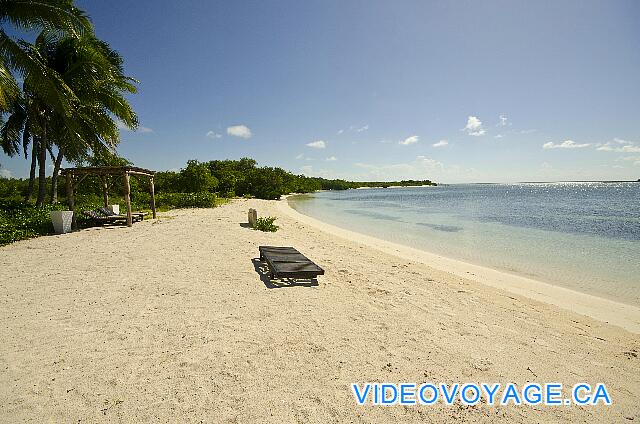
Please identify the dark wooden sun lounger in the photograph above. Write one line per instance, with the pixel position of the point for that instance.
(99, 219)
(137, 216)
(287, 262)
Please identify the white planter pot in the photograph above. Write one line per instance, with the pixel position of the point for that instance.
(114, 208)
(61, 221)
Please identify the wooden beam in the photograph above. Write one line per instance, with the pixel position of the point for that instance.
(108, 170)
(153, 197)
(127, 198)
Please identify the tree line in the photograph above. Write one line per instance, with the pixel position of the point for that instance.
(225, 178)
(244, 178)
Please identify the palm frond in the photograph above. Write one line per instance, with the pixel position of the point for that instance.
(11, 130)
(59, 15)
(41, 79)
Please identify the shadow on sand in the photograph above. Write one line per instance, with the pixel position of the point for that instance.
(263, 270)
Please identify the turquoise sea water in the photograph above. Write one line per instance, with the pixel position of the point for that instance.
(583, 236)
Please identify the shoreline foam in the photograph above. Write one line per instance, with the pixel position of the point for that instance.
(605, 310)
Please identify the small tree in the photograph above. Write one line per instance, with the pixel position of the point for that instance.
(266, 183)
(196, 178)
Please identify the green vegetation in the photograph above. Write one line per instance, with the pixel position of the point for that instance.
(19, 221)
(72, 97)
(266, 224)
(165, 201)
(243, 178)
(69, 104)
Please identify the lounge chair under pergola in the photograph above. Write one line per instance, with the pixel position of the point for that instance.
(74, 176)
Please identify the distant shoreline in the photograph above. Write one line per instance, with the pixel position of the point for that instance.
(556, 182)
(483, 183)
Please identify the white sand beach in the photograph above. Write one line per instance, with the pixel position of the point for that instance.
(170, 321)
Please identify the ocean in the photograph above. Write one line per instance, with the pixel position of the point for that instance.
(582, 236)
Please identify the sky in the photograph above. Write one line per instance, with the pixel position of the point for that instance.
(452, 91)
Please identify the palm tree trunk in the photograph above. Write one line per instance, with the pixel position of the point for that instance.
(32, 173)
(42, 175)
(54, 177)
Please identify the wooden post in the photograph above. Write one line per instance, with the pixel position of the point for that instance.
(70, 200)
(127, 198)
(153, 197)
(105, 191)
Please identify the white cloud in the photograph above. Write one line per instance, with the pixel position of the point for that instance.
(300, 156)
(409, 140)
(213, 135)
(307, 169)
(498, 136)
(503, 121)
(364, 128)
(567, 144)
(619, 145)
(5, 173)
(144, 130)
(441, 143)
(529, 131)
(331, 159)
(474, 127)
(241, 131)
(318, 144)
(340, 132)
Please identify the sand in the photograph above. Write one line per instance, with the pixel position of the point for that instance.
(169, 321)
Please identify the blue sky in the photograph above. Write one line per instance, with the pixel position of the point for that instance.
(453, 91)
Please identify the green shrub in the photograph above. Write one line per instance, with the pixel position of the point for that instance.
(182, 200)
(12, 188)
(266, 224)
(20, 221)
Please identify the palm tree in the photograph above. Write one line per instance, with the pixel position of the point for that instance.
(95, 74)
(91, 73)
(32, 110)
(53, 15)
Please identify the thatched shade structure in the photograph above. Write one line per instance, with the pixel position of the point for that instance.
(74, 176)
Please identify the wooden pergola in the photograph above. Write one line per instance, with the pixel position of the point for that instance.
(74, 177)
